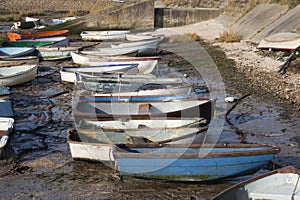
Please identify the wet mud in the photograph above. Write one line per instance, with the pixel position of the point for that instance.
(37, 163)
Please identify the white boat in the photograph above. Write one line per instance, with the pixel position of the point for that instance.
(145, 123)
(116, 83)
(139, 37)
(69, 73)
(145, 47)
(145, 64)
(103, 35)
(278, 184)
(183, 135)
(55, 53)
(179, 91)
(185, 108)
(6, 127)
(112, 52)
(89, 151)
(62, 20)
(15, 75)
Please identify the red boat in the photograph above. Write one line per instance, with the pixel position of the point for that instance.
(26, 35)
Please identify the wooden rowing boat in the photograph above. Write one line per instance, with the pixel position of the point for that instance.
(42, 34)
(185, 108)
(191, 162)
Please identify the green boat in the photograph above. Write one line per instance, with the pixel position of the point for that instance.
(36, 42)
(26, 44)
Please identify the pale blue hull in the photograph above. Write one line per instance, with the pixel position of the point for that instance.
(186, 164)
(16, 51)
(137, 98)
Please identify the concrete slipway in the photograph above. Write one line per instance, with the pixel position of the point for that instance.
(266, 20)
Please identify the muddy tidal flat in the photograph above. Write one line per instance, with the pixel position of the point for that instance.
(37, 162)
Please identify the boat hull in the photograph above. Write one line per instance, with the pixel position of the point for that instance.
(6, 128)
(17, 75)
(52, 41)
(142, 135)
(277, 185)
(12, 52)
(143, 110)
(191, 164)
(95, 152)
(55, 53)
(145, 47)
(18, 36)
(103, 35)
(145, 64)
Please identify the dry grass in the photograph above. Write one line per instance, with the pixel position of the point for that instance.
(229, 36)
(193, 36)
(14, 10)
(184, 38)
(290, 3)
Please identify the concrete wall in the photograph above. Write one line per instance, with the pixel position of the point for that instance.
(198, 3)
(126, 16)
(143, 14)
(170, 17)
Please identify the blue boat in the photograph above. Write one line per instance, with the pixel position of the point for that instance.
(135, 98)
(12, 52)
(192, 163)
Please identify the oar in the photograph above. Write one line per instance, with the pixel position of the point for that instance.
(291, 57)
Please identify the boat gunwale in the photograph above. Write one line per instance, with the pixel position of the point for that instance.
(270, 149)
(287, 169)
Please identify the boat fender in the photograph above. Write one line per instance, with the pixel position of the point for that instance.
(230, 99)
